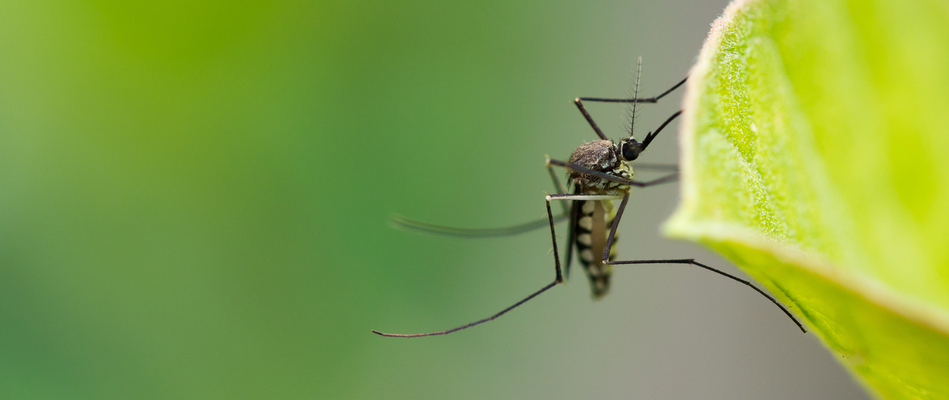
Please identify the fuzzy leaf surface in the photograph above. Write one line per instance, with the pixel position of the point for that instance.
(816, 157)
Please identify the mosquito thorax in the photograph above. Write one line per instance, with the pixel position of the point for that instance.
(601, 156)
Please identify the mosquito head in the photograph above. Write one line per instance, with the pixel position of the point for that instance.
(629, 149)
(601, 156)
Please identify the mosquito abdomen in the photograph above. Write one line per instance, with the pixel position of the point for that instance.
(592, 227)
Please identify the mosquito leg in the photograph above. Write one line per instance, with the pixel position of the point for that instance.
(612, 234)
(571, 236)
(579, 102)
(475, 233)
(553, 176)
(643, 100)
(406, 223)
(558, 279)
(611, 178)
(569, 211)
(609, 245)
(588, 197)
(586, 115)
(658, 181)
(553, 241)
(657, 167)
(478, 322)
(573, 215)
(571, 197)
(725, 274)
(560, 188)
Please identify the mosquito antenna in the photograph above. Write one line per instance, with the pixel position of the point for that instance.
(632, 118)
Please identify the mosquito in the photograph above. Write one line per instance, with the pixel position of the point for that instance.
(599, 173)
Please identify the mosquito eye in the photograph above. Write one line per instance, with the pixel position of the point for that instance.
(630, 150)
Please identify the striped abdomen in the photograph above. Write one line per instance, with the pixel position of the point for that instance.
(592, 226)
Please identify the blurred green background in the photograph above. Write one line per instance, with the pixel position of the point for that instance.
(194, 203)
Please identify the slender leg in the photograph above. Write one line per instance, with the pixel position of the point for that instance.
(697, 264)
(589, 197)
(643, 100)
(559, 187)
(609, 244)
(553, 176)
(558, 279)
(571, 236)
(573, 215)
(611, 178)
(599, 133)
(579, 102)
(657, 167)
(586, 115)
(612, 234)
(542, 290)
(403, 222)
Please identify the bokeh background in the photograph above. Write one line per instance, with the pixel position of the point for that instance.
(194, 203)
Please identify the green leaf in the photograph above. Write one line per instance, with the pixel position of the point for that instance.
(816, 157)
